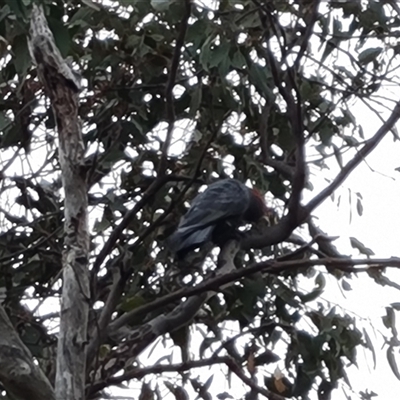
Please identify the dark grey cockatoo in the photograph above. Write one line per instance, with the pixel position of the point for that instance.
(217, 211)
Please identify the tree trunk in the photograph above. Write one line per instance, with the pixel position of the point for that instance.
(62, 86)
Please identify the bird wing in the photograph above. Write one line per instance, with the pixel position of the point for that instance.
(221, 200)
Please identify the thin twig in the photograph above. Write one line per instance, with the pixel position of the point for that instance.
(139, 373)
(311, 19)
(169, 96)
(370, 144)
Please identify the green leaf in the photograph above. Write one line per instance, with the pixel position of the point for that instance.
(396, 306)
(4, 121)
(370, 346)
(359, 207)
(392, 361)
(206, 343)
(338, 155)
(18, 8)
(101, 225)
(146, 393)
(325, 133)
(92, 5)
(205, 52)
(61, 36)
(22, 57)
(208, 382)
(346, 285)
(314, 294)
(81, 17)
(161, 5)
(224, 396)
(369, 55)
(356, 244)
(251, 20)
(219, 54)
(131, 303)
(350, 140)
(259, 77)
(238, 60)
(389, 320)
(331, 45)
(195, 100)
(179, 392)
(267, 357)
(11, 136)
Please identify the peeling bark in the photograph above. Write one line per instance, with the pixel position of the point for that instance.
(61, 85)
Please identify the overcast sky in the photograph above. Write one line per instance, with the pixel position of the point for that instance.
(379, 229)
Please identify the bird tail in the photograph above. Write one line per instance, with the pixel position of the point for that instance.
(184, 240)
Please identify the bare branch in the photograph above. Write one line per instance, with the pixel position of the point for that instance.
(139, 373)
(61, 85)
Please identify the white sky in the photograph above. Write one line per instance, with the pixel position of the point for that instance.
(379, 229)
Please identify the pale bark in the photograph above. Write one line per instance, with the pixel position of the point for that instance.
(21, 377)
(61, 85)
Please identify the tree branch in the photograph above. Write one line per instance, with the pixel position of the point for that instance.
(139, 373)
(225, 263)
(273, 267)
(370, 145)
(136, 341)
(249, 382)
(294, 112)
(21, 377)
(117, 232)
(311, 19)
(169, 96)
(100, 329)
(280, 232)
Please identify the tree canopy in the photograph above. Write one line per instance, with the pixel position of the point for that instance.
(175, 95)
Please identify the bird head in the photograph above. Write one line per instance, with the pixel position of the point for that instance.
(257, 208)
(260, 200)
